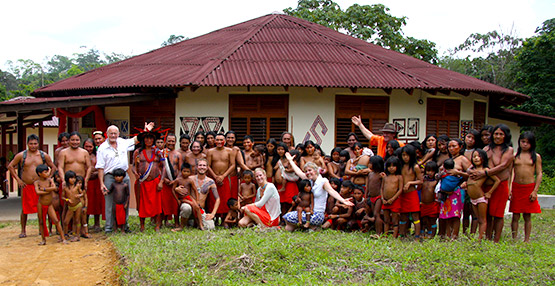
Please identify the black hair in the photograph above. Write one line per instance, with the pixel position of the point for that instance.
(318, 148)
(248, 137)
(184, 136)
(336, 181)
(344, 153)
(359, 187)
(443, 138)
(60, 136)
(336, 149)
(416, 145)
(397, 153)
(248, 172)
(482, 155)
(393, 144)
(431, 165)
(449, 164)
(276, 158)
(477, 138)
(348, 184)
(302, 184)
(119, 172)
(460, 143)
(487, 128)
(171, 134)
(231, 132)
(2, 160)
(75, 133)
(40, 168)
(299, 146)
(424, 145)
(90, 140)
(261, 148)
(185, 165)
(377, 164)
(357, 144)
(33, 137)
(68, 175)
(231, 202)
(507, 142)
(409, 150)
(395, 162)
(306, 144)
(296, 154)
(351, 134)
(211, 133)
(80, 179)
(529, 135)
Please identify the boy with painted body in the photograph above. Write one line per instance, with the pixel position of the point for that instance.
(44, 187)
(120, 191)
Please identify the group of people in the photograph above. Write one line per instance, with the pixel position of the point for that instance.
(426, 187)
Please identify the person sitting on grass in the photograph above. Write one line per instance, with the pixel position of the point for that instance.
(233, 215)
(120, 192)
(186, 198)
(341, 213)
(266, 209)
(359, 210)
(44, 187)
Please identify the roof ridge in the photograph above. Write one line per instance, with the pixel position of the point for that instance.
(211, 68)
(401, 70)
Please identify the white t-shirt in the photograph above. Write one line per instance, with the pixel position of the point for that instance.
(109, 159)
(320, 195)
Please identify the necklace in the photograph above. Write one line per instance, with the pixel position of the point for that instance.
(146, 156)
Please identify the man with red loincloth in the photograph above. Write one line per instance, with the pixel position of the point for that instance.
(220, 165)
(173, 168)
(27, 161)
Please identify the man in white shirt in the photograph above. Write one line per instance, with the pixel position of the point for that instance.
(112, 154)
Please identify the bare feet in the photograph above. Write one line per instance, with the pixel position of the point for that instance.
(42, 242)
(74, 239)
(22, 235)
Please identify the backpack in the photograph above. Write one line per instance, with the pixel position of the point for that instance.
(22, 163)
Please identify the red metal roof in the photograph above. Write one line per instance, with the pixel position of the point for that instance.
(275, 50)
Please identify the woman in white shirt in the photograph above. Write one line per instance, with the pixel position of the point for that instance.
(265, 210)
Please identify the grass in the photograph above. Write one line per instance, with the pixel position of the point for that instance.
(251, 256)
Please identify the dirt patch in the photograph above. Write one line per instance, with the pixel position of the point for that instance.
(87, 262)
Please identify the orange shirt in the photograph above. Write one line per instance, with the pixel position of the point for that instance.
(377, 140)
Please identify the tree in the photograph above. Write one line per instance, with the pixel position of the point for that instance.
(173, 39)
(371, 23)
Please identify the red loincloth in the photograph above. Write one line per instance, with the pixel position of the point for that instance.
(264, 216)
(498, 200)
(224, 191)
(520, 200)
(29, 199)
(375, 199)
(150, 203)
(394, 207)
(429, 209)
(44, 213)
(95, 197)
(169, 204)
(120, 214)
(410, 202)
(234, 187)
(291, 190)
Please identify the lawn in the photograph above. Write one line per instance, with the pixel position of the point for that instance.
(252, 256)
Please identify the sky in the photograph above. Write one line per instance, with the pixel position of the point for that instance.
(37, 30)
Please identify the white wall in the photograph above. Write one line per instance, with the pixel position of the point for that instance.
(204, 102)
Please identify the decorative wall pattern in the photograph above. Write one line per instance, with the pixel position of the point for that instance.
(191, 125)
(316, 135)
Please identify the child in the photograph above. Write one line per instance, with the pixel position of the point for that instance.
(341, 213)
(450, 195)
(289, 187)
(333, 165)
(305, 202)
(470, 140)
(320, 162)
(359, 209)
(181, 187)
(3, 180)
(429, 207)
(232, 217)
(410, 202)
(344, 156)
(478, 199)
(44, 187)
(373, 190)
(72, 196)
(256, 158)
(524, 189)
(84, 200)
(121, 198)
(247, 190)
(392, 186)
(336, 185)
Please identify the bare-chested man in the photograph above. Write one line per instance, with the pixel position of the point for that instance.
(75, 159)
(27, 161)
(194, 155)
(147, 168)
(169, 204)
(63, 142)
(230, 138)
(184, 142)
(221, 163)
(500, 158)
(203, 186)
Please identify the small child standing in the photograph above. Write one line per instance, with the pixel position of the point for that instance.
(233, 215)
(44, 187)
(120, 192)
(526, 182)
(429, 207)
(373, 190)
(181, 190)
(305, 202)
(410, 202)
(85, 202)
(392, 187)
(478, 199)
(72, 196)
(247, 190)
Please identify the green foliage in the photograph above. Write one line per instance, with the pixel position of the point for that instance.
(547, 186)
(173, 39)
(371, 23)
(253, 256)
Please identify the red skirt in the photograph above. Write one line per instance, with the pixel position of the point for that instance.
(291, 190)
(224, 191)
(263, 214)
(394, 207)
(498, 200)
(429, 209)
(373, 200)
(29, 199)
(120, 214)
(234, 187)
(169, 204)
(95, 197)
(150, 202)
(520, 200)
(44, 213)
(410, 202)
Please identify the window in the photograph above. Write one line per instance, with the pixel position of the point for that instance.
(262, 116)
(160, 111)
(374, 112)
(443, 117)
(479, 114)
